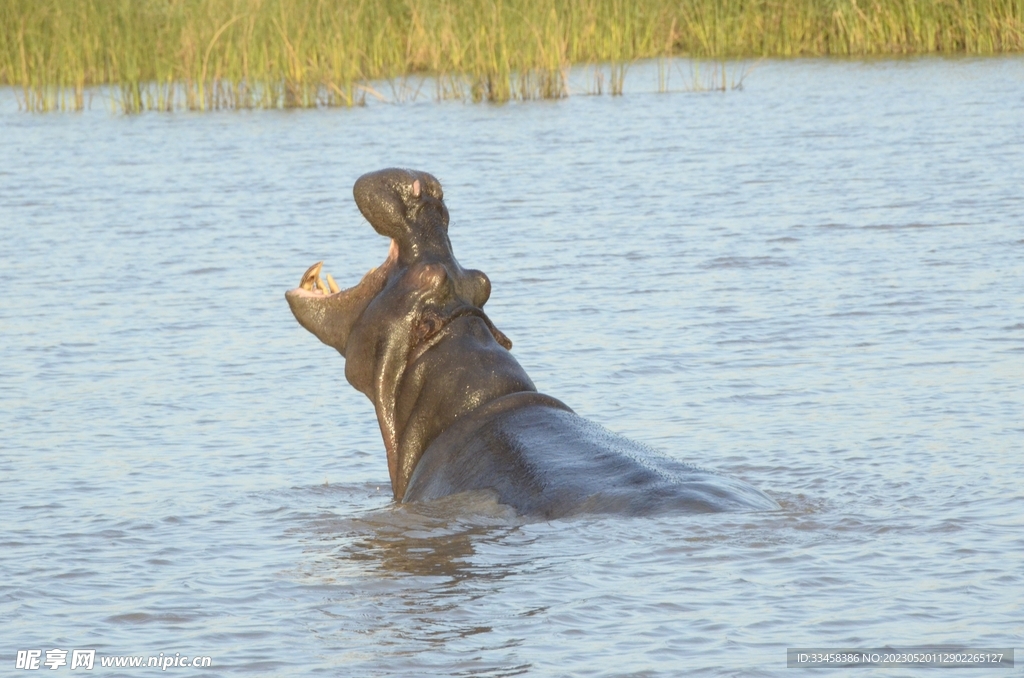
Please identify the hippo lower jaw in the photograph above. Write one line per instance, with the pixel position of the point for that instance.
(329, 312)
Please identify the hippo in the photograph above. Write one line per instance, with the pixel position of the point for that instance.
(456, 411)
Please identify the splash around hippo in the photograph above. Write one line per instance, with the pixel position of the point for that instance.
(456, 410)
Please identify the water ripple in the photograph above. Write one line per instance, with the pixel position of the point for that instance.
(812, 284)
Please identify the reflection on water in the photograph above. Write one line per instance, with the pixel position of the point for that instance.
(420, 566)
(433, 539)
(812, 284)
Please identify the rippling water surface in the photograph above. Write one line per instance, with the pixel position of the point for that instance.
(815, 284)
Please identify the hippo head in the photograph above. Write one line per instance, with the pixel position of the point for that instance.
(411, 326)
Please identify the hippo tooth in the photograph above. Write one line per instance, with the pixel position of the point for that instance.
(321, 286)
(333, 285)
(310, 276)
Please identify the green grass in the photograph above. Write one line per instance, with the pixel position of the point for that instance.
(208, 54)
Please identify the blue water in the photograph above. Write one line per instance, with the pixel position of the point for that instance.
(815, 284)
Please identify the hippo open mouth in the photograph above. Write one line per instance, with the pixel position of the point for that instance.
(456, 411)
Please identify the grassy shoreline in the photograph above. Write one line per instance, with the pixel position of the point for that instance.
(208, 54)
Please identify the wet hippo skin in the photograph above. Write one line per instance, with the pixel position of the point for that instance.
(456, 410)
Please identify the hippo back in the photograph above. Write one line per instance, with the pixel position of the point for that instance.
(544, 460)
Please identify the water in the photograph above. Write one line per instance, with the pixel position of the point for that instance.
(814, 284)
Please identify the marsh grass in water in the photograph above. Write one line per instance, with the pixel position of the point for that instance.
(210, 54)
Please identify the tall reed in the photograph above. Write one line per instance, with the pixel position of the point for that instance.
(208, 54)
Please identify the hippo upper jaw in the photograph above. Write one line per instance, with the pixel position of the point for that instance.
(408, 207)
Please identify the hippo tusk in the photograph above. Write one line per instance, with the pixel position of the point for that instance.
(310, 277)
